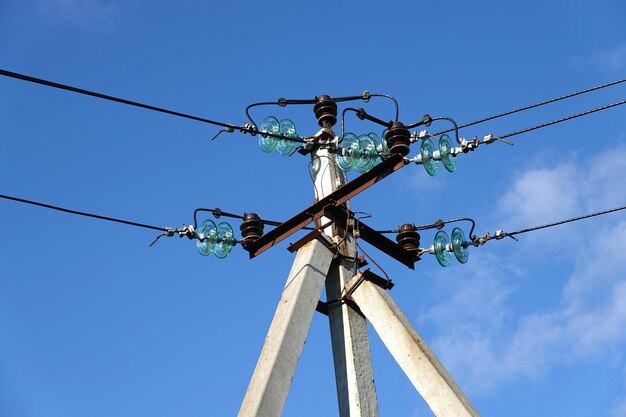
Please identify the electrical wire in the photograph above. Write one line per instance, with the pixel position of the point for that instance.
(227, 126)
(574, 116)
(437, 224)
(356, 242)
(553, 100)
(557, 223)
(451, 120)
(217, 213)
(282, 102)
(361, 114)
(82, 213)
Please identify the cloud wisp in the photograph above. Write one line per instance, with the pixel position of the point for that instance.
(86, 14)
(612, 60)
(484, 340)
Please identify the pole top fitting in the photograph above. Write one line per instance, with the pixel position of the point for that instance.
(325, 111)
(398, 139)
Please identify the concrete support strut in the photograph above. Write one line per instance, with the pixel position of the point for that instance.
(430, 378)
(270, 383)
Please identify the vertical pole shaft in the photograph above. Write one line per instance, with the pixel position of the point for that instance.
(354, 375)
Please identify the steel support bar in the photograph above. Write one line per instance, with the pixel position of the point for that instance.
(430, 378)
(336, 198)
(270, 383)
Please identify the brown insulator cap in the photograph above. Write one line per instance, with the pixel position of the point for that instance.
(408, 238)
(325, 110)
(398, 139)
(251, 228)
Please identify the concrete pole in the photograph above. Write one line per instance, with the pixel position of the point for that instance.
(270, 383)
(354, 375)
(430, 378)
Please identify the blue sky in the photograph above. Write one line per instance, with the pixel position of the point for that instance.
(95, 323)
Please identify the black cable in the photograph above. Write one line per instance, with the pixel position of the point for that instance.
(545, 226)
(392, 98)
(81, 213)
(282, 102)
(356, 243)
(217, 213)
(438, 224)
(451, 120)
(561, 120)
(361, 114)
(47, 83)
(263, 103)
(536, 105)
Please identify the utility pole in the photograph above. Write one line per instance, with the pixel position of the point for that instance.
(328, 256)
(354, 375)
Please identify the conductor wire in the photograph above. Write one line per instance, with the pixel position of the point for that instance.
(60, 86)
(82, 213)
(557, 223)
(553, 100)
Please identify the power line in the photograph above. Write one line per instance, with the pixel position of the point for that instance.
(227, 126)
(557, 223)
(608, 106)
(82, 213)
(216, 212)
(588, 90)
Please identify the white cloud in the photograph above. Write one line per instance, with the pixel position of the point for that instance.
(613, 60)
(90, 14)
(547, 194)
(543, 195)
(484, 341)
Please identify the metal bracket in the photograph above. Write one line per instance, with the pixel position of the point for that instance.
(366, 275)
(315, 234)
(371, 236)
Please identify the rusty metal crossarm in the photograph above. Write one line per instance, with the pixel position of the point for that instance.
(374, 238)
(314, 212)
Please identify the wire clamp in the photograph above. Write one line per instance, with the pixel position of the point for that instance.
(481, 240)
(169, 232)
(489, 138)
(188, 231)
(248, 128)
(228, 129)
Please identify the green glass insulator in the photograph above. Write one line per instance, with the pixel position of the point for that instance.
(348, 152)
(269, 125)
(383, 142)
(459, 245)
(445, 148)
(439, 245)
(367, 154)
(285, 146)
(426, 150)
(378, 142)
(207, 237)
(226, 240)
